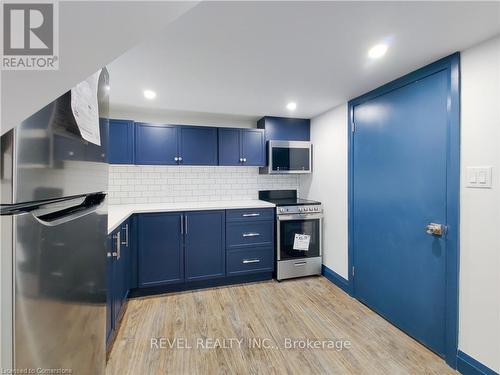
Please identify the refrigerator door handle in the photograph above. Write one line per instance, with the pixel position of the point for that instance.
(90, 204)
(27, 207)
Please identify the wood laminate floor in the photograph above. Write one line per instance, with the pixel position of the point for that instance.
(265, 316)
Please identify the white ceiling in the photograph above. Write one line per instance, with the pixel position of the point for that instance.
(91, 34)
(251, 58)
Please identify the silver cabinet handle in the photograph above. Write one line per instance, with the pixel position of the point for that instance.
(241, 160)
(126, 236)
(176, 158)
(251, 234)
(117, 253)
(250, 215)
(298, 264)
(182, 224)
(244, 160)
(186, 224)
(108, 254)
(179, 158)
(246, 261)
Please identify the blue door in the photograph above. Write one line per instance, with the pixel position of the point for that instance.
(121, 142)
(160, 243)
(155, 144)
(229, 146)
(399, 188)
(253, 147)
(197, 145)
(205, 250)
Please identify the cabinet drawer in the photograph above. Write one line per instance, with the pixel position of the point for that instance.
(250, 214)
(256, 259)
(251, 233)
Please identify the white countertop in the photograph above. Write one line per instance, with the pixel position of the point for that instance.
(117, 213)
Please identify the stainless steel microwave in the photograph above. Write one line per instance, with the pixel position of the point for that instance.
(285, 157)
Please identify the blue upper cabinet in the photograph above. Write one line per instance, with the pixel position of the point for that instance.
(156, 144)
(151, 144)
(160, 255)
(197, 145)
(253, 147)
(285, 129)
(241, 147)
(229, 146)
(121, 142)
(205, 251)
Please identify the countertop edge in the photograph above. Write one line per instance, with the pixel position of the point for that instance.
(129, 210)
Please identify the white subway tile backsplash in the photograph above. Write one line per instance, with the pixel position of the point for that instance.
(161, 184)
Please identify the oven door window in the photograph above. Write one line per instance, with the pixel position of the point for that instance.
(298, 235)
(290, 159)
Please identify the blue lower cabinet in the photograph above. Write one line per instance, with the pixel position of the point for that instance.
(250, 214)
(160, 249)
(123, 262)
(204, 247)
(197, 249)
(249, 233)
(250, 260)
(109, 296)
(117, 267)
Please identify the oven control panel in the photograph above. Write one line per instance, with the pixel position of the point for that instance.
(308, 209)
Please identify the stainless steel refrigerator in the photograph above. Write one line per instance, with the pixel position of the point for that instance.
(53, 242)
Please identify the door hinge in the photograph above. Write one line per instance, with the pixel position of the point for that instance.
(352, 271)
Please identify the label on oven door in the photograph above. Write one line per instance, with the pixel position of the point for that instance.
(301, 242)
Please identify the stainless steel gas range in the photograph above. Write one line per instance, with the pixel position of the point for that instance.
(299, 225)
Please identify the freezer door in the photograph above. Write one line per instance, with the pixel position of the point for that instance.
(50, 157)
(60, 288)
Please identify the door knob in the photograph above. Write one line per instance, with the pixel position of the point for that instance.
(434, 229)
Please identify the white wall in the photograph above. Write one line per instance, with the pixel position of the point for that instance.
(479, 334)
(479, 310)
(328, 184)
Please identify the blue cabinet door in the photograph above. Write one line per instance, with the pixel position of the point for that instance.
(253, 147)
(229, 146)
(205, 245)
(109, 294)
(125, 258)
(160, 255)
(285, 129)
(155, 144)
(118, 277)
(121, 142)
(197, 145)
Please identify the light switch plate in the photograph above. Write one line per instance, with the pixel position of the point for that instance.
(479, 177)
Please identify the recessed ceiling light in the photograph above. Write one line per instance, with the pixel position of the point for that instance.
(291, 106)
(149, 94)
(378, 51)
